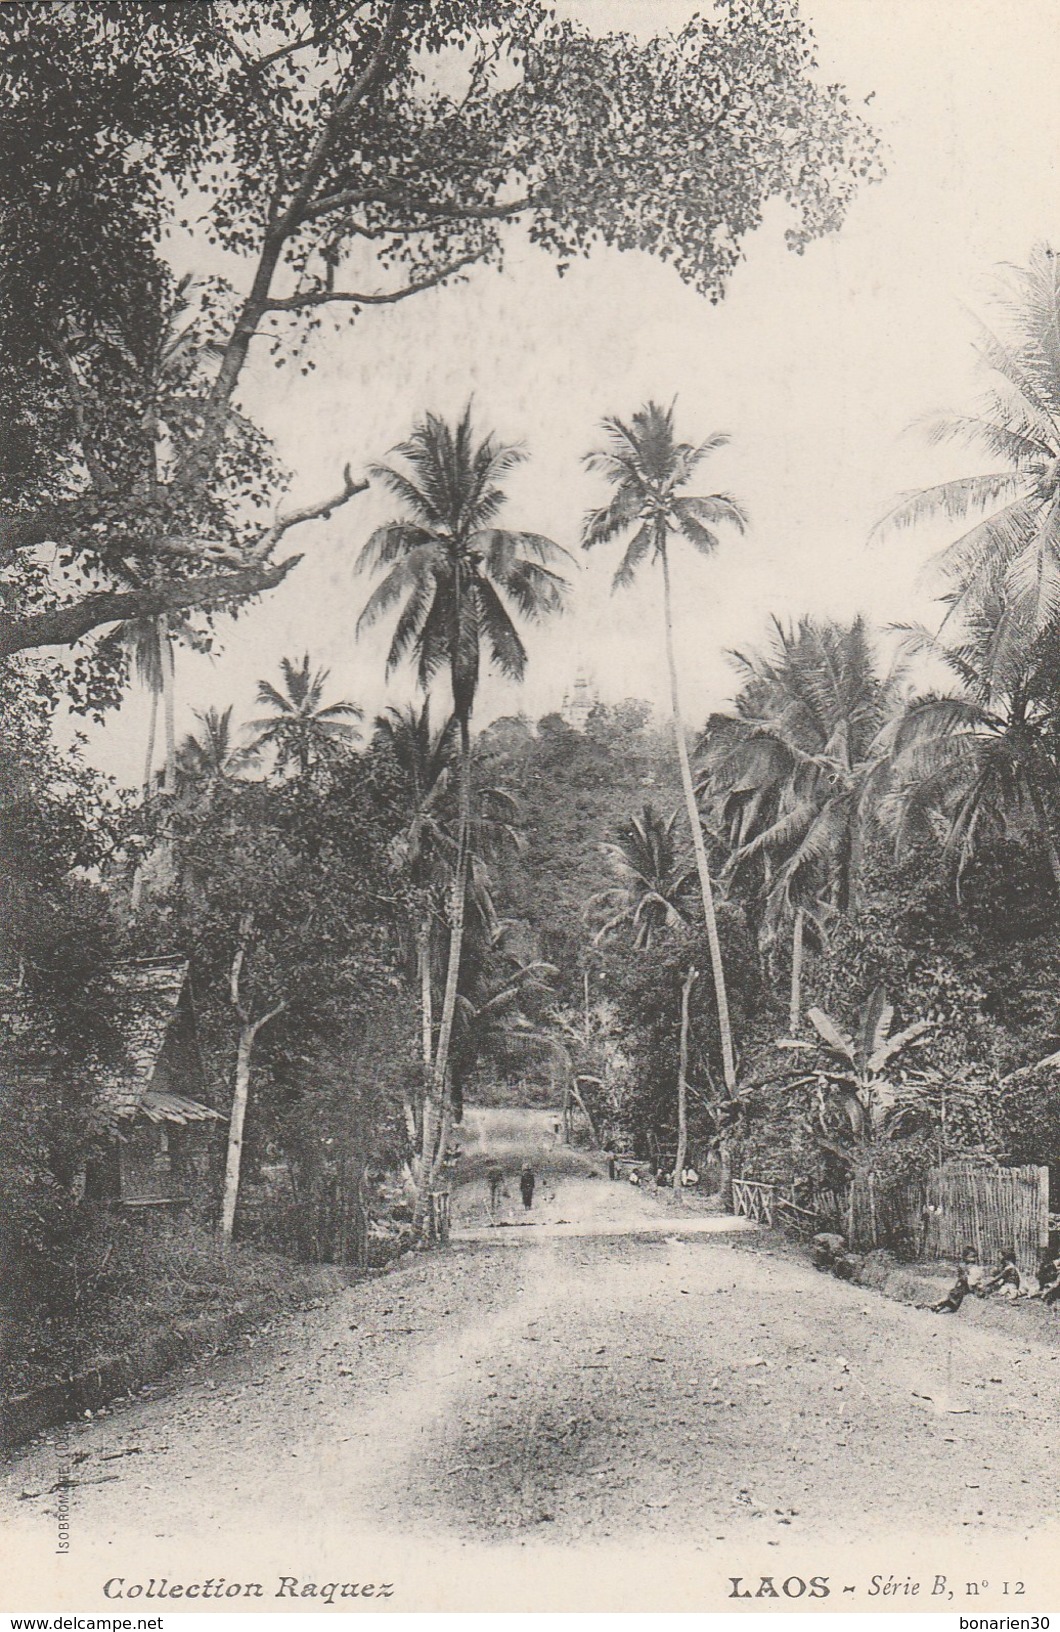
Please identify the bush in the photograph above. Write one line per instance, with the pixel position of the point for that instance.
(134, 1278)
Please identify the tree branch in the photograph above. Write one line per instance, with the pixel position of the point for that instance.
(66, 625)
(246, 926)
(434, 211)
(201, 457)
(312, 512)
(324, 297)
(252, 574)
(362, 86)
(304, 42)
(265, 1018)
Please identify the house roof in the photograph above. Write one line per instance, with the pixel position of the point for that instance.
(145, 996)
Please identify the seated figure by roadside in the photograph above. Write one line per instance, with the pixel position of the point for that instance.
(1048, 1278)
(969, 1279)
(827, 1248)
(1006, 1279)
(956, 1295)
(974, 1271)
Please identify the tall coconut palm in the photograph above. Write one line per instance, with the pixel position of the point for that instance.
(983, 757)
(301, 727)
(648, 469)
(147, 644)
(451, 571)
(792, 769)
(1014, 544)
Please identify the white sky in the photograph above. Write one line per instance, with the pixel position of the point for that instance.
(815, 365)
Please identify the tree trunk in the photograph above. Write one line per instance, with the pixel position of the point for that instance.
(429, 1135)
(795, 1000)
(724, 1162)
(706, 888)
(438, 1099)
(240, 1095)
(149, 757)
(590, 1124)
(248, 1031)
(168, 678)
(137, 892)
(418, 1128)
(717, 968)
(682, 1087)
(426, 998)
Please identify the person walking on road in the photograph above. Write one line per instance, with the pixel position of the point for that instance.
(494, 1178)
(526, 1185)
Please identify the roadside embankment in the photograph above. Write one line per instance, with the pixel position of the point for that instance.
(922, 1285)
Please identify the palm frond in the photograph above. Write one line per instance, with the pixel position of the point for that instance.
(953, 501)
(601, 526)
(711, 509)
(637, 549)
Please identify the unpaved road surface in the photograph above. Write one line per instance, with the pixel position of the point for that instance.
(696, 1391)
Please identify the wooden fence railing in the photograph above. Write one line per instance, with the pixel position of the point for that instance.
(753, 1199)
(805, 1205)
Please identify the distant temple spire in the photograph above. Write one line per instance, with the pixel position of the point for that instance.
(579, 701)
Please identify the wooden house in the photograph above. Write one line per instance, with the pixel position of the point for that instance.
(157, 1142)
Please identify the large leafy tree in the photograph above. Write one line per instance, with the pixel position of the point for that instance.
(354, 153)
(794, 770)
(452, 570)
(275, 902)
(1012, 549)
(648, 468)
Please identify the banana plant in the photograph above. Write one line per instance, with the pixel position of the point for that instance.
(856, 1074)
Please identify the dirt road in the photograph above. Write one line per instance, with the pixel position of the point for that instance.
(696, 1392)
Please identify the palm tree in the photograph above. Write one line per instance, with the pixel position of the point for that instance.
(211, 757)
(651, 897)
(302, 728)
(651, 889)
(985, 755)
(422, 849)
(147, 644)
(793, 768)
(1017, 533)
(498, 983)
(647, 469)
(451, 571)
